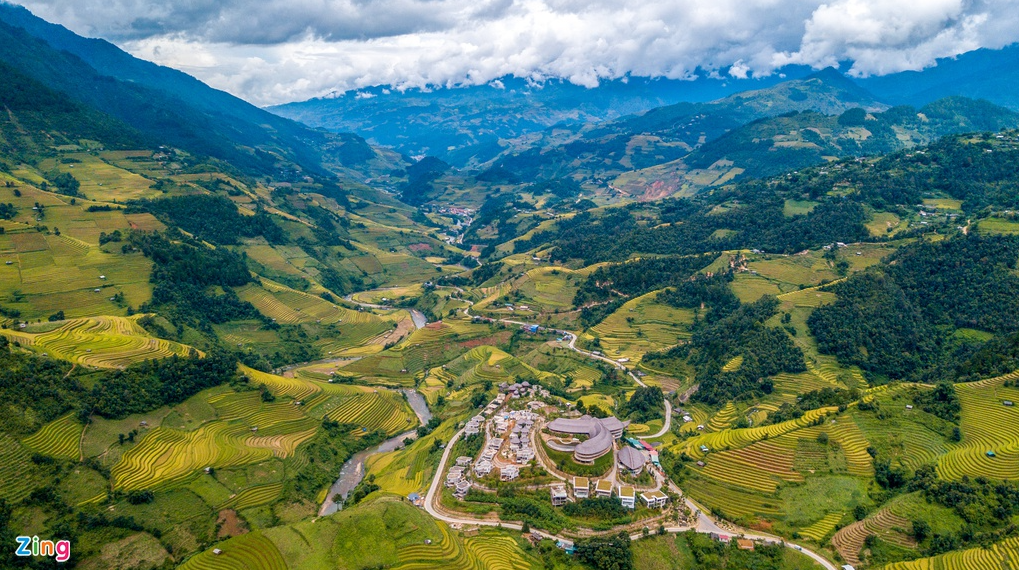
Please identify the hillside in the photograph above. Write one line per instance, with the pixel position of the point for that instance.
(413, 365)
(466, 124)
(169, 105)
(979, 74)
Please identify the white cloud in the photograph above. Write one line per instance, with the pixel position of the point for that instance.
(275, 51)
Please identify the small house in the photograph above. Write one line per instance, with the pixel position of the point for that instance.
(603, 488)
(627, 496)
(654, 499)
(745, 544)
(509, 473)
(559, 496)
(991, 454)
(581, 487)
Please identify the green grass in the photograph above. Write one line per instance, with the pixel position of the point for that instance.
(998, 226)
(564, 461)
(798, 207)
(806, 504)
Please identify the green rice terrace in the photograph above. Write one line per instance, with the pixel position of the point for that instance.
(308, 352)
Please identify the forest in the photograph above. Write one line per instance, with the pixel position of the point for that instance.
(898, 319)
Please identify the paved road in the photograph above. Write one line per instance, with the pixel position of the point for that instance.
(705, 524)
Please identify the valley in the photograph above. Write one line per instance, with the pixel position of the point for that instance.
(769, 329)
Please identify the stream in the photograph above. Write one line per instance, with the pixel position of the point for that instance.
(352, 471)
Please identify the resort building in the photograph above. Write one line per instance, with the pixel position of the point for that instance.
(630, 460)
(654, 499)
(581, 487)
(559, 495)
(600, 432)
(627, 496)
(483, 467)
(603, 488)
(509, 473)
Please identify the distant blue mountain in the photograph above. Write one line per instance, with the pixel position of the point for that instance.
(464, 124)
(982, 74)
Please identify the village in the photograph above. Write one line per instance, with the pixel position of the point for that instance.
(538, 443)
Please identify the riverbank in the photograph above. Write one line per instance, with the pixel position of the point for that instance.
(353, 471)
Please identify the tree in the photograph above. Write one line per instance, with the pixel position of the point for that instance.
(921, 530)
(606, 553)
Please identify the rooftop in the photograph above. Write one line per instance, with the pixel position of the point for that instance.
(631, 458)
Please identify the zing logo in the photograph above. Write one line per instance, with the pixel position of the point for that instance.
(32, 546)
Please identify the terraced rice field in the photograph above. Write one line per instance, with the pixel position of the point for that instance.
(821, 528)
(101, 342)
(724, 418)
(479, 553)
(987, 425)
(849, 540)
(738, 438)
(167, 456)
(251, 551)
(497, 552)
(731, 502)
(1001, 556)
(289, 306)
(424, 348)
(253, 497)
(16, 470)
(59, 438)
(374, 409)
(743, 459)
(659, 326)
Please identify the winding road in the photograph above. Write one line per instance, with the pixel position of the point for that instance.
(705, 524)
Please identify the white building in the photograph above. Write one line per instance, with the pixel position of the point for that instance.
(627, 496)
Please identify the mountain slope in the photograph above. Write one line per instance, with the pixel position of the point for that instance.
(463, 125)
(668, 133)
(174, 107)
(981, 74)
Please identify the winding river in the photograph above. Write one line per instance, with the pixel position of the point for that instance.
(352, 471)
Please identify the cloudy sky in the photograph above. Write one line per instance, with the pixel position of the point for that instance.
(274, 51)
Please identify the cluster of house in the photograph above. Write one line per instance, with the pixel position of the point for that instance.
(494, 404)
(519, 435)
(474, 425)
(484, 465)
(522, 389)
(456, 477)
(626, 493)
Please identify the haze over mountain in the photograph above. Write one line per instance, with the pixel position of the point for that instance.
(691, 311)
(167, 104)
